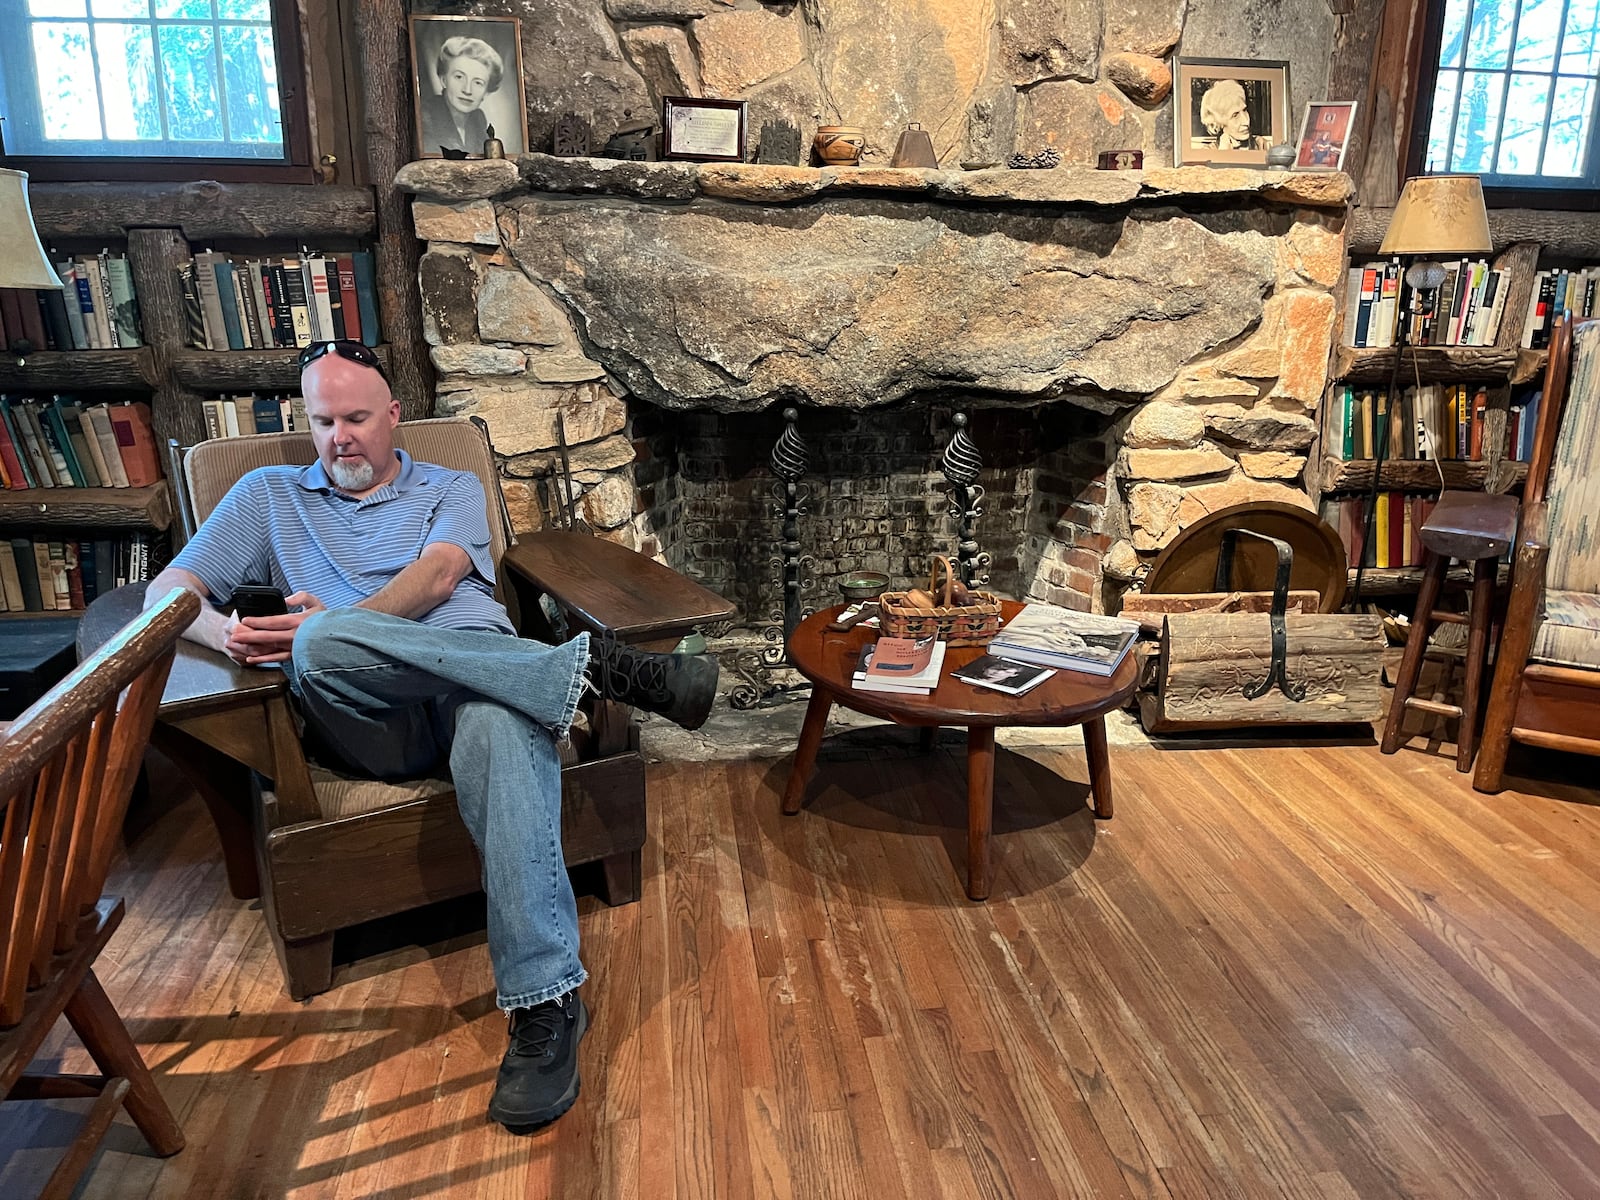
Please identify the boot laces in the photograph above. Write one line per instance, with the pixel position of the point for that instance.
(537, 1031)
(622, 673)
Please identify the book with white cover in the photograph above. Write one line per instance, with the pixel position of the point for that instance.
(1059, 637)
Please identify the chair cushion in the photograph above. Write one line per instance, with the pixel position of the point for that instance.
(351, 795)
(1569, 634)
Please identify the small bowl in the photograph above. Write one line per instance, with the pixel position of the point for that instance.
(863, 585)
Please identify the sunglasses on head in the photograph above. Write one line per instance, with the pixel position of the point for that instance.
(358, 352)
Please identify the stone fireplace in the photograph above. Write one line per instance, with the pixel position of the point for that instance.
(1133, 350)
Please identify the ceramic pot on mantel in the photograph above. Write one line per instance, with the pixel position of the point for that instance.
(839, 145)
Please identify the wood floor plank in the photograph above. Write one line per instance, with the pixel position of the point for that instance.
(1278, 972)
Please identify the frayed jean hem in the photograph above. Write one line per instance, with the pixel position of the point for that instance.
(529, 999)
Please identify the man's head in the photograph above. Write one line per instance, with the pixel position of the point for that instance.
(353, 417)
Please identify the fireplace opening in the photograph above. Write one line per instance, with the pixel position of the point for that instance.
(874, 497)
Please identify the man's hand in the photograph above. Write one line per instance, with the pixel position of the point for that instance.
(258, 641)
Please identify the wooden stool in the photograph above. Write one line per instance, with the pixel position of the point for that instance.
(1475, 528)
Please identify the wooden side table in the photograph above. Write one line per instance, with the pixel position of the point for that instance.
(829, 660)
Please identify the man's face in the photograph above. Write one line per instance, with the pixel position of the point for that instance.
(352, 418)
(465, 83)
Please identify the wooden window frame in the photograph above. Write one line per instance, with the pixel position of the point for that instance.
(293, 88)
(1430, 16)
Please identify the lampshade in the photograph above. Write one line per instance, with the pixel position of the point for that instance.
(22, 260)
(1439, 214)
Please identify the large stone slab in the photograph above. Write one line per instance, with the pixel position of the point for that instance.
(574, 63)
(923, 65)
(1049, 39)
(743, 47)
(662, 55)
(866, 301)
(1079, 120)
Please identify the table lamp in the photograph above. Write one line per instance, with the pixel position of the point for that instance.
(22, 260)
(1435, 215)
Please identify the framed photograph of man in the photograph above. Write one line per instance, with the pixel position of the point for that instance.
(1228, 112)
(1324, 134)
(466, 78)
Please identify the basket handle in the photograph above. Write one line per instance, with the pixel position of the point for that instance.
(933, 579)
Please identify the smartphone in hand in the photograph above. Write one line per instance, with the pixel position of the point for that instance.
(257, 600)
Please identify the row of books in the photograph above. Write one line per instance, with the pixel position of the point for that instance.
(64, 444)
(235, 416)
(1467, 311)
(44, 575)
(1435, 421)
(1554, 293)
(1396, 528)
(257, 304)
(94, 309)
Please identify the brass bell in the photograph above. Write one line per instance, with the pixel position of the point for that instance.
(915, 149)
(493, 147)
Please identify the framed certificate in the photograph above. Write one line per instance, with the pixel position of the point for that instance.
(702, 129)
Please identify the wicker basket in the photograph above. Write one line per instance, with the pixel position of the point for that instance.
(972, 624)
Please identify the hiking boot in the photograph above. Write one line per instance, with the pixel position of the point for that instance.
(679, 687)
(538, 1079)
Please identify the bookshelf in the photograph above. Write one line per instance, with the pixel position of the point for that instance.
(147, 507)
(1419, 475)
(246, 370)
(79, 370)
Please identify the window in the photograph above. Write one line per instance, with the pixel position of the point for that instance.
(145, 79)
(1515, 92)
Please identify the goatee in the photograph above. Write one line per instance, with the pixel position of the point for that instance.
(352, 478)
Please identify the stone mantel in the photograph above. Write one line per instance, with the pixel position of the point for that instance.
(1193, 306)
(453, 181)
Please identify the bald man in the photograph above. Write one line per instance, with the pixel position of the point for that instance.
(400, 658)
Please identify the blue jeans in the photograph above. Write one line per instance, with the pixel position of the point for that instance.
(394, 697)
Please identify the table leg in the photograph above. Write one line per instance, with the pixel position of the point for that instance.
(928, 738)
(224, 784)
(1094, 741)
(980, 808)
(805, 756)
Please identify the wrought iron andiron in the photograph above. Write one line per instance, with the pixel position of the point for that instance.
(1279, 672)
(961, 465)
(792, 571)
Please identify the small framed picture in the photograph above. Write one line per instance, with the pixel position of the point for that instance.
(1324, 134)
(1228, 112)
(703, 130)
(466, 78)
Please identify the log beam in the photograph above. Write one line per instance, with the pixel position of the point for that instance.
(203, 210)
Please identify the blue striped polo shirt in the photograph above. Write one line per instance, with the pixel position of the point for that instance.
(290, 527)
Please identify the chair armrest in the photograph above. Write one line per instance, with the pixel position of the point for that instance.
(604, 587)
(1527, 589)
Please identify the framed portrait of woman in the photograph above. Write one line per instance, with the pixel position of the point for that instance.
(466, 79)
(1228, 112)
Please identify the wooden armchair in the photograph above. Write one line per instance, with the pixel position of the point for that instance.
(1546, 688)
(67, 766)
(333, 851)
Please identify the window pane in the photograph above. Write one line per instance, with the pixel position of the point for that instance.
(244, 10)
(1537, 34)
(128, 81)
(184, 10)
(1571, 115)
(1455, 25)
(189, 62)
(56, 8)
(1444, 103)
(1580, 52)
(67, 100)
(120, 8)
(1481, 93)
(1489, 41)
(1523, 132)
(252, 84)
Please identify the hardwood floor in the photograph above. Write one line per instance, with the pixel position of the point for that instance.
(1277, 972)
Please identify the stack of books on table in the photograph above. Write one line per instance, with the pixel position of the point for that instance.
(905, 665)
(1058, 637)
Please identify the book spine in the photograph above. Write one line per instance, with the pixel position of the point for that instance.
(335, 300)
(367, 296)
(38, 449)
(11, 455)
(104, 298)
(11, 580)
(124, 303)
(294, 290)
(228, 300)
(347, 297)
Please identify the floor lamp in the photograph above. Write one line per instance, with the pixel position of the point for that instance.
(22, 260)
(1436, 215)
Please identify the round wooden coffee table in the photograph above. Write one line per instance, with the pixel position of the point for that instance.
(828, 659)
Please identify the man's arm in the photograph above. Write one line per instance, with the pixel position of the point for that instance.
(212, 627)
(424, 585)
